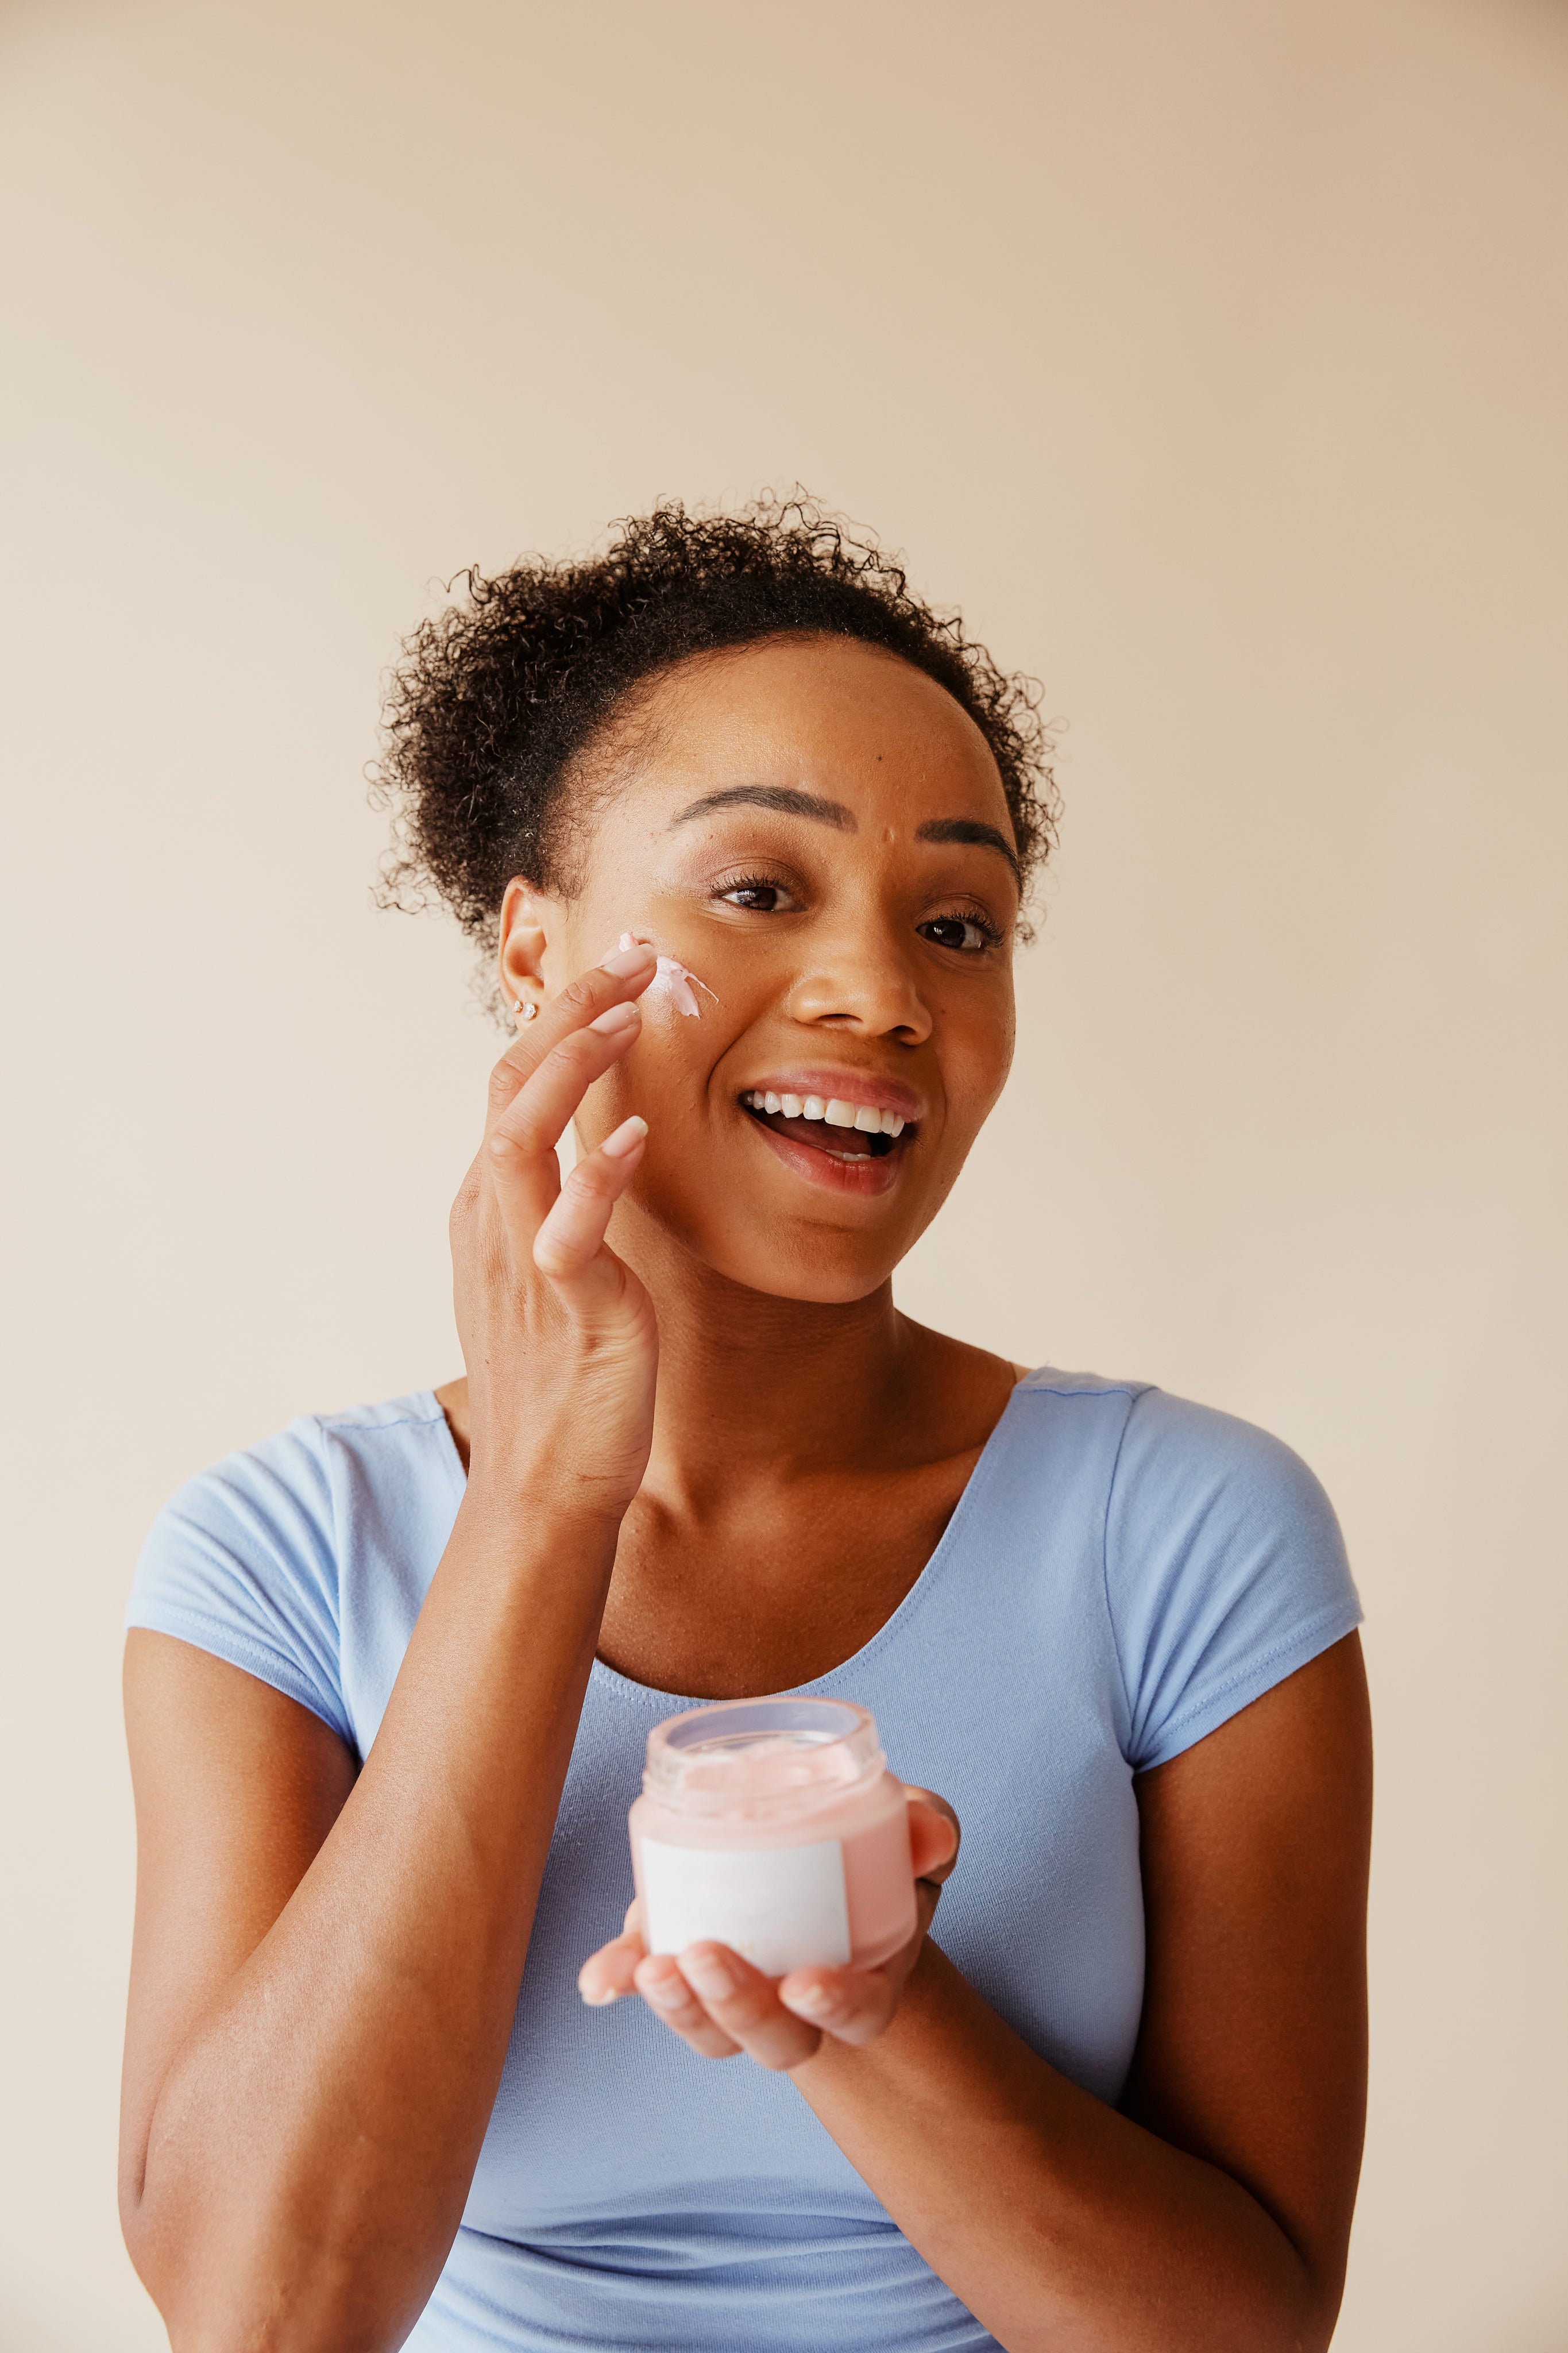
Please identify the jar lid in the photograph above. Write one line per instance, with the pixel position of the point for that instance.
(762, 1758)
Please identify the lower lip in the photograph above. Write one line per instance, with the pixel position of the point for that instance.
(867, 1176)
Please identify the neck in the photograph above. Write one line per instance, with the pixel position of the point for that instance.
(752, 1387)
(757, 1391)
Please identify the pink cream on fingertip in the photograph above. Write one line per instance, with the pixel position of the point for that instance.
(774, 1826)
(673, 985)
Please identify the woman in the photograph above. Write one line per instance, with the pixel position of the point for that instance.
(396, 2071)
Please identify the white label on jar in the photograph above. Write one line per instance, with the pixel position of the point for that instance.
(781, 1907)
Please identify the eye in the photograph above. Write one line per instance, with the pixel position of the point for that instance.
(758, 894)
(969, 935)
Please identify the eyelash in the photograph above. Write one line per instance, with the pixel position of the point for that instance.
(750, 883)
(989, 932)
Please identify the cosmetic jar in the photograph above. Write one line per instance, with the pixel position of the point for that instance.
(774, 1826)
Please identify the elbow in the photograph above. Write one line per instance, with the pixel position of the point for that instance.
(223, 2300)
(136, 2228)
(1303, 2317)
(259, 2259)
(160, 2248)
(1321, 2319)
(1284, 2305)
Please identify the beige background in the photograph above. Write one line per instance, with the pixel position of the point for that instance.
(1214, 356)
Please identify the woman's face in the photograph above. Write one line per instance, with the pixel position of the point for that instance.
(820, 835)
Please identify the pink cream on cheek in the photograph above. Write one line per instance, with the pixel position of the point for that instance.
(673, 987)
(772, 1826)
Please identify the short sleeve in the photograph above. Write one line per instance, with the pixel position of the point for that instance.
(1224, 1570)
(242, 1562)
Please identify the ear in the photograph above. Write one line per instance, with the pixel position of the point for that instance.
(530, 941)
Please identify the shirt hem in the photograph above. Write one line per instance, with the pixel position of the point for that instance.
(1319, 1634)
(253, 1659)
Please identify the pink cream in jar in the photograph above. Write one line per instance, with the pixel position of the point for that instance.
(774, 1826)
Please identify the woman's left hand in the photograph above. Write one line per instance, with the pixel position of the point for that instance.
(720, 2005)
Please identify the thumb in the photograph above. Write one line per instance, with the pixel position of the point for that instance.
(934, 1834)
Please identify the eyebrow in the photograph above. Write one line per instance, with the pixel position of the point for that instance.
(772, 796)
(970, 829)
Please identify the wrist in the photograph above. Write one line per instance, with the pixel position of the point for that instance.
(539, 1516)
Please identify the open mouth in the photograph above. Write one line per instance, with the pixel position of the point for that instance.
(843, 1130)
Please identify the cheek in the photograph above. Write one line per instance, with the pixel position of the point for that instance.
(677, 993)
(977, 1054)
(666, 1074)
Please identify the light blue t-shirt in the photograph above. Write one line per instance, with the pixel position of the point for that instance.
(1122, 1573)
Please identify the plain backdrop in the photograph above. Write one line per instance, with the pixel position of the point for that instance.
(1213, 355)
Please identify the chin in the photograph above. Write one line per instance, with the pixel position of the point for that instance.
(820, 1286)
(819, 1265)
(828, 1268)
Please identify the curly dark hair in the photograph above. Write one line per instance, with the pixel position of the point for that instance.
(495, 701)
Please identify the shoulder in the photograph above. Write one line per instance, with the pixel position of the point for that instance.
(281, 1490)
(244, 1560)
(1170, 1449)
(1179, 1455)
(1224, 1564)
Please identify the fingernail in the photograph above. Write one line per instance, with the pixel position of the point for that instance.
(667, 1992)
(599, 2000)
(710, 1974)
(627, 1137)
(812, 1998)
(618, 1017)
(626, 960)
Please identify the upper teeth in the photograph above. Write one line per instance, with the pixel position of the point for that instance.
(834, 1108)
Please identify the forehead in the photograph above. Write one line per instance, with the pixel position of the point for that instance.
(823, 714)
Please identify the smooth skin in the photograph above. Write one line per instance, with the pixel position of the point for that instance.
(701, 1443)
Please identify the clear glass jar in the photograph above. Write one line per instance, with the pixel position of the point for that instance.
(774, 1826)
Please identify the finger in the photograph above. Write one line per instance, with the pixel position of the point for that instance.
(934, 1834)
(927, 1895)
(852, 2005)
(661, 1984)
(519, 1148)
(746, 2006)
(572, 1232)
(611, 1970)
(538, 1110)
(616, 981)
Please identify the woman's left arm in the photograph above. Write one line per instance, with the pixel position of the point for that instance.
(1211, 2213)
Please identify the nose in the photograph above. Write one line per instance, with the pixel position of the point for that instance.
(860, 979)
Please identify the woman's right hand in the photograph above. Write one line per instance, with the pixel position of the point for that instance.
(328, 1953)
(558, 1335)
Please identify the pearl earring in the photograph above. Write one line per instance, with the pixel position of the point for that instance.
(526, 1011)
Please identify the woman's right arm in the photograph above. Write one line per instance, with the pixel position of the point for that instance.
(326, 1964)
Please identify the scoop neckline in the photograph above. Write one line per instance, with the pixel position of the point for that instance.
(893, 1624)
